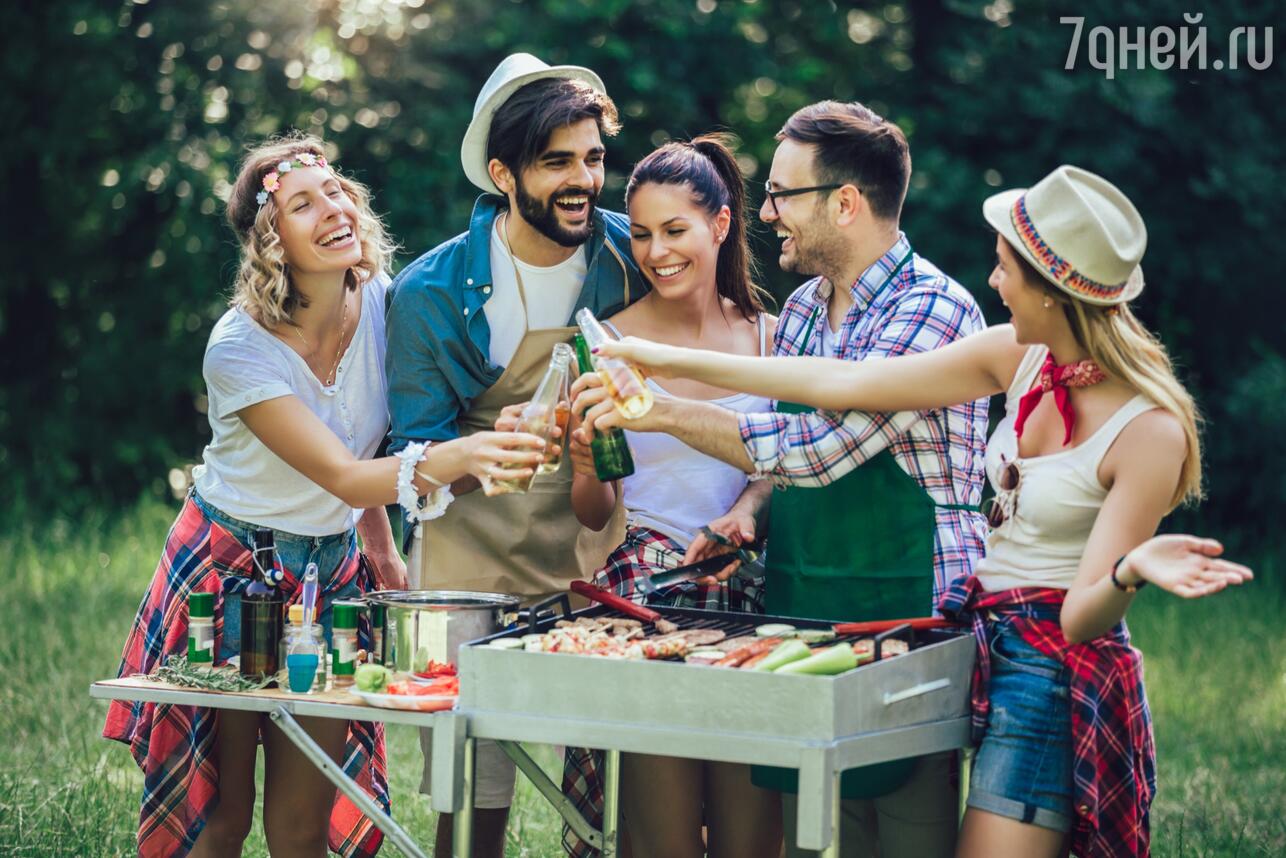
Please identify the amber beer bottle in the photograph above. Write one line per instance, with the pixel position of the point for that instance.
(630, 395)
(612, 459)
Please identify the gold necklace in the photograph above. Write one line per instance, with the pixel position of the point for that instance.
(334, 368)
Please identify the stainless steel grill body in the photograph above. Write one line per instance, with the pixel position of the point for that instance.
(928, 683)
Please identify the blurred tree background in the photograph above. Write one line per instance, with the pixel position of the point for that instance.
(126, 120)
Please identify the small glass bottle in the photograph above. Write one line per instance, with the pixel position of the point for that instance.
(201, 628)
(343, 642)
(562, 354)
(538, 417)
(611, 452)
(630, 395)
(305, 655)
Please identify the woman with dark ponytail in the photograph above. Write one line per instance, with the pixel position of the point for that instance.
(687, 208)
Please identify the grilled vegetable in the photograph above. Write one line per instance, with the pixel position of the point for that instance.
(791, 650)
(837, 659)
(372, 678)
(741, 654)
(775, 630)
(815, 636)
(506, 643)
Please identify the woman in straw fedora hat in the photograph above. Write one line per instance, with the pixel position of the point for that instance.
(1082, 476)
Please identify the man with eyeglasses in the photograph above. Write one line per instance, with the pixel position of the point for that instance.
(890, 516)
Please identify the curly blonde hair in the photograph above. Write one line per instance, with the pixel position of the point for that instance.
(263, 287)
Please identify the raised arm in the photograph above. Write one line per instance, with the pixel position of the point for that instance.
(979, 365)
(298, 436)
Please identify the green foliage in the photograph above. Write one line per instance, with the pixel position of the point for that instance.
(127, 119)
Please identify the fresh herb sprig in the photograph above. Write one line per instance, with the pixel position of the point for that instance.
(177, 671)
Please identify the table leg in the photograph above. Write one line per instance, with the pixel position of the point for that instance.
(832, 851)
(319, 758)
(611, 801)
(966, 769)
(553, 794)
(462, 820)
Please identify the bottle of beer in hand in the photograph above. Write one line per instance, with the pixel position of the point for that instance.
(539, 417)
(612, 459)
(630, 395)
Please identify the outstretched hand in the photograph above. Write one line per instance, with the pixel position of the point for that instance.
(650, 358)
(1188, 566)
(736, 529)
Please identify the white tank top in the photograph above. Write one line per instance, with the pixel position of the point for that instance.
(1049, 517)
(676, 490)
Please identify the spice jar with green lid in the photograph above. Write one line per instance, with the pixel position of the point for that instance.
(343, 642)
(201, 628)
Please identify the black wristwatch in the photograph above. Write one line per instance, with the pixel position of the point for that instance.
(1123, 587)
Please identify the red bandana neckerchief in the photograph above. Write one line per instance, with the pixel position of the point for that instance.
(1058, 379)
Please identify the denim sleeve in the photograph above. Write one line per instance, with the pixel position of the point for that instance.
(423, 405)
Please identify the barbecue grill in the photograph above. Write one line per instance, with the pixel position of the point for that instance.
(897, 706)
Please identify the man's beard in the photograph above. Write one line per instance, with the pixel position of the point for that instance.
(820, 254)
(543, 216)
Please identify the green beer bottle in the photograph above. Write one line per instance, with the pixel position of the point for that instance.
(612, 459)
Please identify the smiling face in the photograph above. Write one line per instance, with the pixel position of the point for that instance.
(675, 241)
(557, 192)
(317, 222)
(808, 238)
(1033, 321)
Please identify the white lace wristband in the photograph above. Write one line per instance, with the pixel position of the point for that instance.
(435, 503)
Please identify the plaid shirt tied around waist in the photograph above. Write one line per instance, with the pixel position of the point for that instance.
(174, 745)
(902, 304)
(1114, 758)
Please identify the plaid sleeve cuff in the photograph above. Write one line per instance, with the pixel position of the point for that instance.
(763, 436)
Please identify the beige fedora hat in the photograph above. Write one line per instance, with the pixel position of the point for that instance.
(1078, 230)
(514, 72)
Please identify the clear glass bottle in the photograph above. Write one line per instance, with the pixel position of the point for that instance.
(611, 452)
(540, 415)
(562, 410)
(630, 395)
(305, 661)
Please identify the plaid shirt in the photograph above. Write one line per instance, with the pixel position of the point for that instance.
(1114, 758)
(920, 310)
(174, 745)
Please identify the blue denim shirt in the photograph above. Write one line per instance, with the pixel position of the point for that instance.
(438, 337)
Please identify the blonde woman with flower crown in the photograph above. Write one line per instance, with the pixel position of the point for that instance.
(295, 377)
(1099, 442)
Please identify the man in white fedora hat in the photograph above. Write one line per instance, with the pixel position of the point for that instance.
(470, 327)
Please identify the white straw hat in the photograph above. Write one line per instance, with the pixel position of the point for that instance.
(1078, 230)
(514, 72)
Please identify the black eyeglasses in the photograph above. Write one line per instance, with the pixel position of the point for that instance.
(794, 192)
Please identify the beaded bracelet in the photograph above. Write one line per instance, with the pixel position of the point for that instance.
(1125, 588)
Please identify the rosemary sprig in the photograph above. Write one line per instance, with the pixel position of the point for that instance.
(177, 671)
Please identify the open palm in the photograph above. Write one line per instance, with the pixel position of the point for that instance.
(1188, 566)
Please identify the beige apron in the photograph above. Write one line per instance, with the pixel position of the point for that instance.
(528, 545)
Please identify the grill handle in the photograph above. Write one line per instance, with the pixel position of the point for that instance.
(615, 602)
(891, 697)
(534, 613)
(873, 627)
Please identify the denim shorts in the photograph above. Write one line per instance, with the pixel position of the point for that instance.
(1023, 769)
(295, 553)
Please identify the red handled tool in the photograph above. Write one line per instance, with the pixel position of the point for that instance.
(875, 627)
(611, 600)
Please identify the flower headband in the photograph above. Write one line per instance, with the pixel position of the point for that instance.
(272, 181)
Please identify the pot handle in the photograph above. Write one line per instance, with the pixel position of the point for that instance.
(533, 614)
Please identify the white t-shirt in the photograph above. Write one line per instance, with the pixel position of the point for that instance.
(245, 364)
(551, 296)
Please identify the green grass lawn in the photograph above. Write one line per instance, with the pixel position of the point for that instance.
(1216, 672)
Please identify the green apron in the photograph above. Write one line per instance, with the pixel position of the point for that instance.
(860, 548)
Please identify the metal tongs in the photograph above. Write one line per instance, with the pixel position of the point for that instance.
(747, 554)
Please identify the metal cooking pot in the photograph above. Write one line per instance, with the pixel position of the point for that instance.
(431, 624)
